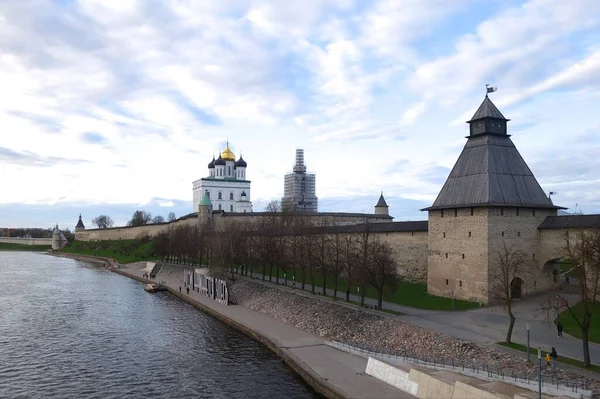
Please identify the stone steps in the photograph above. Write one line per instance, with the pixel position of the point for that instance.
(425, 383)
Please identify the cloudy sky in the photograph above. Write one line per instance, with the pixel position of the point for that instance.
(108, 106)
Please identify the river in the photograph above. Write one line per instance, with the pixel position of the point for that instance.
(72, 330)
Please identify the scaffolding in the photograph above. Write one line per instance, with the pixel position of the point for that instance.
(299, 191)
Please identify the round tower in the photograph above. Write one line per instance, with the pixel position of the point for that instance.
(56, 239)
(382, 207)
(205, 209)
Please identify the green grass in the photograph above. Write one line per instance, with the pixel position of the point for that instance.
(560, 359)
(405, 293)
(20, 247)
(571, 327)
(124, 251)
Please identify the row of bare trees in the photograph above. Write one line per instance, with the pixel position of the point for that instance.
(281, 245)
(581, 250)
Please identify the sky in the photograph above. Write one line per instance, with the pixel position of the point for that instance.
(110, 106)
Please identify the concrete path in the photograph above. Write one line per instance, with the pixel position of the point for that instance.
(342, 371)
(486, 325)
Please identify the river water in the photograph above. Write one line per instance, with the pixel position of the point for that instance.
(71, 330)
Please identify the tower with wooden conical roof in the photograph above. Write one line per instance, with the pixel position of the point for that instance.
(80, 226)
(490, 199)
(381, 208)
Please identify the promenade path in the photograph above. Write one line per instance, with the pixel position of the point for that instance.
(484, 326)
(341, 371)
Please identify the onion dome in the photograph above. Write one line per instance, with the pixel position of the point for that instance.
(240, 163)
(243, 193)
(211, 165)
(227, 154)
(220, 161)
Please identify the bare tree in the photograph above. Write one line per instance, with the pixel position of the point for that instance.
(511, 265)
(381, 269)
(350, 261)
(582, 248)
(158, 219)
(103, 222)
(171, 217)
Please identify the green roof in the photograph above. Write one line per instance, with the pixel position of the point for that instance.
(205, 200)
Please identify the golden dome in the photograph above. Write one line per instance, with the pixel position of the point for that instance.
(227, 155)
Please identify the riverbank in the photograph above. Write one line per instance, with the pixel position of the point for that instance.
(330, 372)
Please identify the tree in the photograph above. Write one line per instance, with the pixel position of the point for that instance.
(511, 265)
(140, 218)
(582, 248)
(171, 217)
(381, 268)
(103, 222)
(158, 219)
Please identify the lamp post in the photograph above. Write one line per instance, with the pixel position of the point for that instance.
(528, 352)
(285, 278)
(453, 299)
(293, 281)
(357, 297)
(539, 373)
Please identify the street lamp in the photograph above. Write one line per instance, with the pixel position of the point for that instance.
(528, 351)
(539, 373)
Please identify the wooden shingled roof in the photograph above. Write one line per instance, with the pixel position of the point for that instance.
(491, 172)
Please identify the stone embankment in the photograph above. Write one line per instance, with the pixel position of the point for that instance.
(383, 334)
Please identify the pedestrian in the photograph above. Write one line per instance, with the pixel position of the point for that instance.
(553, 355)
(559, 328)
(548, 358)
(188, 292)
(179, 288)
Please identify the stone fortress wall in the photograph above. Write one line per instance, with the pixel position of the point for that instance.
(26, 241)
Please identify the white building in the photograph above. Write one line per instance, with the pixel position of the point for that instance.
(226, 184)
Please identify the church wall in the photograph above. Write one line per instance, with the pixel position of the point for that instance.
(457, 261)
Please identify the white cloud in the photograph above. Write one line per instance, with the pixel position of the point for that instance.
(164, 84)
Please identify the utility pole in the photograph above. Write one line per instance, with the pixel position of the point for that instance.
(528, 351)
(540, 373)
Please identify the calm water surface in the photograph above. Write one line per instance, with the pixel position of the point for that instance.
(70, 330)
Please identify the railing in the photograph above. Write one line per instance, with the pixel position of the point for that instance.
(579, 387)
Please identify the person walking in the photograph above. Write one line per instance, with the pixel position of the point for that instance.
(179, 288)
(553, 355)
(188, 292)
(559, 329)
(548, 358)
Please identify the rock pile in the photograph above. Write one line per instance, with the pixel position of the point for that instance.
(382, 334)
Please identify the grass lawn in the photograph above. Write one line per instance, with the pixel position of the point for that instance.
(571, 327)
(560, 359)
(124, 251)
(20, 247)
(405, 293)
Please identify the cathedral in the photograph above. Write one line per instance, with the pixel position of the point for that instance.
(226, 185)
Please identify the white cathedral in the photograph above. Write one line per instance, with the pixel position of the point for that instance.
(226, 185)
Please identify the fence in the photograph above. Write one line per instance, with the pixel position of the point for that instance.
(478, 371)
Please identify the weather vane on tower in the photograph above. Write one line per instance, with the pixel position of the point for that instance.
(489, 89)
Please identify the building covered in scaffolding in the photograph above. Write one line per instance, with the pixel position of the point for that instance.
(299, 193)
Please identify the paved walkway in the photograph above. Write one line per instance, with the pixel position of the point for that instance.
(342, 371)
(485, 326)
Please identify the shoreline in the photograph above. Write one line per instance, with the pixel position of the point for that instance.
(329, 372)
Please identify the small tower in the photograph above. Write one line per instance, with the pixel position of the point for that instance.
(382, 207)
(80, 226)
(205, 209)
(58, 239)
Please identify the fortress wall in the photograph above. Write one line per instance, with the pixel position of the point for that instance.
(519, 231)
(26, 241)
(458, 253)
(410, 253)
(130, 233)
